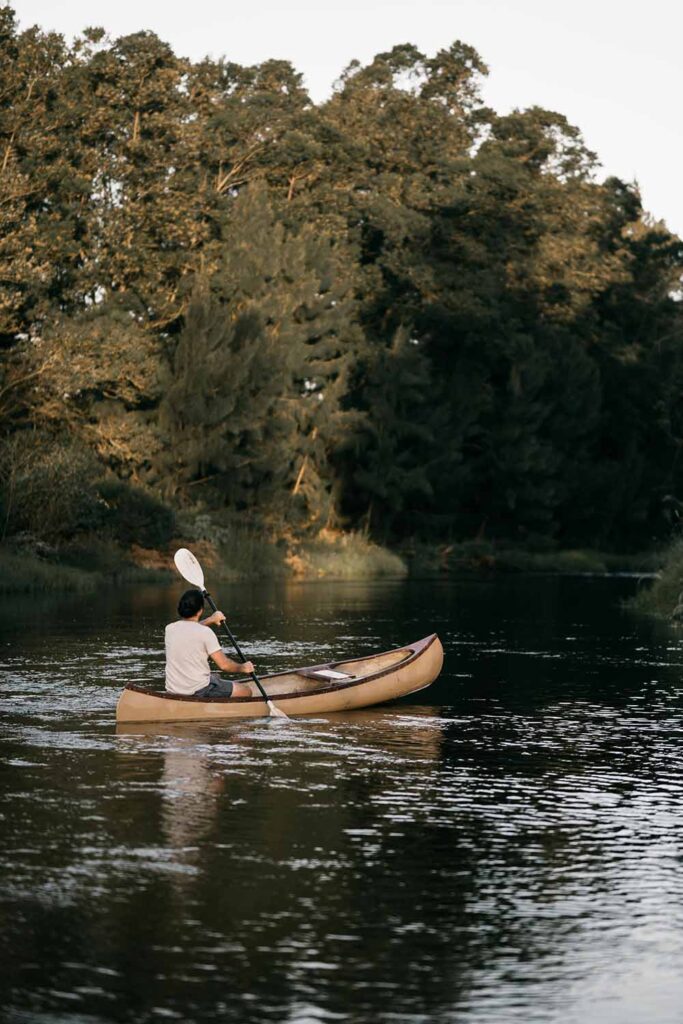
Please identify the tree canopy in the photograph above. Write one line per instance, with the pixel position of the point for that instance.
(395, 310)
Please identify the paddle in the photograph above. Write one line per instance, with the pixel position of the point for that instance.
(188, 567)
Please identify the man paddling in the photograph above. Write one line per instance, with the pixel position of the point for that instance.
(189, 642)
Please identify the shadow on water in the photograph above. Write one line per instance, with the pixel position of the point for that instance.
(504, 846)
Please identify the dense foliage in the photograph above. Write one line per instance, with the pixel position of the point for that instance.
(395, 310)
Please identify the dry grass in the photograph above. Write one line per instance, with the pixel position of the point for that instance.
(341, 556)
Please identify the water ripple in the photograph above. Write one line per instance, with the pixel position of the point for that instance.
(509, 849)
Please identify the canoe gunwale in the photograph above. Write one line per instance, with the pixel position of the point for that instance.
(417, 650)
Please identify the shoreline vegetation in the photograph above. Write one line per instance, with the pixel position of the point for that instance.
(664, 599)
(331, 556)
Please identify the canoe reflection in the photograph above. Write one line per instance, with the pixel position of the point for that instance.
(208, 770)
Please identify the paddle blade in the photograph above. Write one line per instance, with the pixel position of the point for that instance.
(275, 712)
(188, 567)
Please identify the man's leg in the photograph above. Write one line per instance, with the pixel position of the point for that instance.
(237, 689)
(219, 687)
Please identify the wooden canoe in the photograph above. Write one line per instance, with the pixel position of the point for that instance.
(334, 686)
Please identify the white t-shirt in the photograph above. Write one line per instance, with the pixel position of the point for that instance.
(188, 645)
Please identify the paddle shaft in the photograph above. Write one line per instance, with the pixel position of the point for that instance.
(234, 643)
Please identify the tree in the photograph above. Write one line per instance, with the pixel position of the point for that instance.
(387, 457)
(396, 310)
(253, 401)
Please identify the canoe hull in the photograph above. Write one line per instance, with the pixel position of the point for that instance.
(420, 668)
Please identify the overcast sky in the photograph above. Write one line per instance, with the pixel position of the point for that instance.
(613, 67)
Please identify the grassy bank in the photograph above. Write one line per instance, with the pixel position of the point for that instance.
(78, 570)
(664, 597)
(426, 561)
(23, 572)
(228, 553)
(232, 552)
(344, 556)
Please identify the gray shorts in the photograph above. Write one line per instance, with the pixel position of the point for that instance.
(218, 687)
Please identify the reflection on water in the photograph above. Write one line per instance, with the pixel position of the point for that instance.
(509, 849)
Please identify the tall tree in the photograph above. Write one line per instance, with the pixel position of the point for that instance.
(386, 459)
(253, 403)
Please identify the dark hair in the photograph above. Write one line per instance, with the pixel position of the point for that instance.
(190, 603)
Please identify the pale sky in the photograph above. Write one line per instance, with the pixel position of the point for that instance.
(612, 67)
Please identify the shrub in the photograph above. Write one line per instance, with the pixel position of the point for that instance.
(48, 487)
(135, 516)
(23, 573)
(233, 548)
(54, 490)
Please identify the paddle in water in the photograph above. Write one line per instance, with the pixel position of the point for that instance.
(190, 569)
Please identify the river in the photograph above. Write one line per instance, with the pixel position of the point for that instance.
(505, 846)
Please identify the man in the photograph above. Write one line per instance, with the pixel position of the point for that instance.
(189, 642)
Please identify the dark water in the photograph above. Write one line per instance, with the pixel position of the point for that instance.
(506, 847)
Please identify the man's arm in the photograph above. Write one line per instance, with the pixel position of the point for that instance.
(224, 663)
(228, 665)
(213, 620)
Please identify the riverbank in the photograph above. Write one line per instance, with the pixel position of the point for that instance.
(664, 598)
(241, 554)
(425, 560)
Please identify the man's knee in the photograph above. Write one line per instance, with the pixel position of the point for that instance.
(241, 690)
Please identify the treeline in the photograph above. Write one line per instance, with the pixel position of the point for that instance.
(395, 311)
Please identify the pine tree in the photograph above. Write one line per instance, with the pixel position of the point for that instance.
(253, 403)
(386, 459)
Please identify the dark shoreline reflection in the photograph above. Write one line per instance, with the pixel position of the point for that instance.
(504, 848)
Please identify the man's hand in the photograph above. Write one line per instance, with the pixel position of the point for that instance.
(214, 620)
(247, 667)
